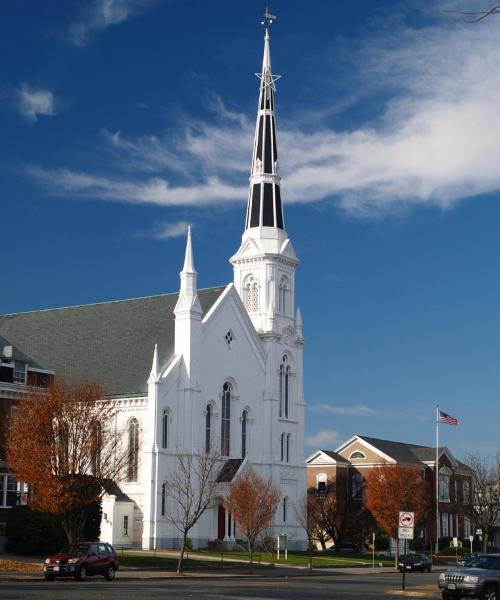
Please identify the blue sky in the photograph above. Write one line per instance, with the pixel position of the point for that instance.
(123, 121)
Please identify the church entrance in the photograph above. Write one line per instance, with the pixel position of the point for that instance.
(221, 522)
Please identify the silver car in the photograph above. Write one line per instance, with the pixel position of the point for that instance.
(479, 579)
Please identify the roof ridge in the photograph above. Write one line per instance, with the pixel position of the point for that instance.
(369, 437)
(27, 312)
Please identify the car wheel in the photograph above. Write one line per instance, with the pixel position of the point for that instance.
(429, 569)
(82, 573)
(110, 573)
(49, 577)
(490, 592)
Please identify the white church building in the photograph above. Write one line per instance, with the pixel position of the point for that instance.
(199, 366)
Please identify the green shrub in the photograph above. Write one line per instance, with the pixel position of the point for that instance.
(33, 532)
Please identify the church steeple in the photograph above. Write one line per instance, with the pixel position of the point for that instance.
(264, 199)
(264, 266)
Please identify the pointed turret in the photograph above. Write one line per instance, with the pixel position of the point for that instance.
(264, 199)
(188, 312)
(155, 367)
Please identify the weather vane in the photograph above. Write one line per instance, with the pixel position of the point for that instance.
(268, 19)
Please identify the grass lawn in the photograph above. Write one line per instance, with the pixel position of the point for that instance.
(216, 560)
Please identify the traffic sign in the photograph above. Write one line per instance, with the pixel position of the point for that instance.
(405, 533)
(406, 519)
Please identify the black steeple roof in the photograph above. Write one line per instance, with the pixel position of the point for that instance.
(264, 198)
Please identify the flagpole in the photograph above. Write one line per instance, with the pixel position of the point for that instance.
(437, 478)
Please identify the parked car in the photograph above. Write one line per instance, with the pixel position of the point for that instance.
(479, 579)
(415, 562)
(81, 559)
(468, 557)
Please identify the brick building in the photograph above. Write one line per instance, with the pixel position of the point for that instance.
(350, 462)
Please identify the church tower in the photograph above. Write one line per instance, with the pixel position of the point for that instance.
(264, 266)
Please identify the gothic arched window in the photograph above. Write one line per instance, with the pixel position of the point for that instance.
(287, 453)
(251, 290)
(283, 292)
(133, 449)
(244, 424)
(284, 387)
(282, 447)
(208, 428)
(96, 449)
(226, 419)
(163, 498)
(164, 433)
(285, 509)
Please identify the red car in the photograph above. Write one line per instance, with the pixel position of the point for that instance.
(80, 559)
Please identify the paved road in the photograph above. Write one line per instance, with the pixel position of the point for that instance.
(333, 587)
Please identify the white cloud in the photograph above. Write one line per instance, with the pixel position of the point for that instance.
(32, 102)
(324, 438)
(435, 140)
(100, 14)
(166, 231)
(155, 190)
(353, 411)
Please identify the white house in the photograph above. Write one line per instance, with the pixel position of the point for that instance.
(220, 365)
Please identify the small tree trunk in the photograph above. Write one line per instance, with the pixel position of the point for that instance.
(183, 549)
(250, 550)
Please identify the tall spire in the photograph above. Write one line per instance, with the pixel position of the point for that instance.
(188, 273)
(264, 199)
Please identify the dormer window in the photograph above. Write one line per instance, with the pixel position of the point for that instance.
(19, 372)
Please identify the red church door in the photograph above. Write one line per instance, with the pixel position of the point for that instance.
(221, 522)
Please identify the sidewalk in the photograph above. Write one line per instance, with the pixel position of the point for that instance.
(276, 572)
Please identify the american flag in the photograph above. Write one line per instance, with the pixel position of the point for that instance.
(448, 419)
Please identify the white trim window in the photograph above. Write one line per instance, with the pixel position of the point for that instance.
(444, 484)
(9, 495)
(466, 527)
(133, 450)
(321, 479)
(466, 491)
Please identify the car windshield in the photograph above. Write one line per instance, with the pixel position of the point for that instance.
(75, 549)
(486, 562)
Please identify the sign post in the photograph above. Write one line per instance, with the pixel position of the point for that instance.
(471, 539)
(373, 550)
(405, 532)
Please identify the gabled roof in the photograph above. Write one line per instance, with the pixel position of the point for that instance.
(402, 452)
(109, 342)
(229, 470)
(326, 456)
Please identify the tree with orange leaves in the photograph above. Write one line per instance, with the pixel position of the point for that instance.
(252, 501)
(393, 488)
(61, 442)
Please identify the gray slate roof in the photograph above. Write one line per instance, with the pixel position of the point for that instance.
(109, 342)
(229, 470)
(408, 453)
(335, 456)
